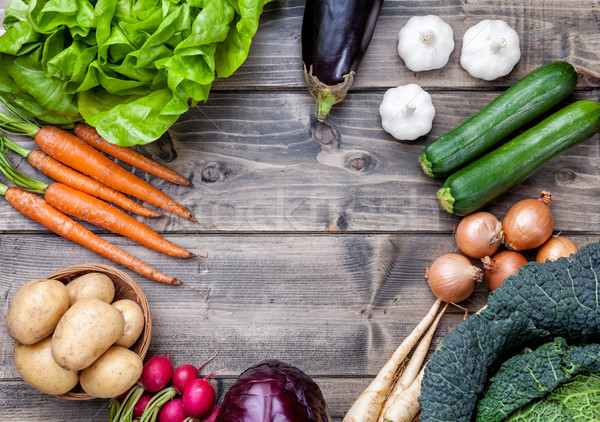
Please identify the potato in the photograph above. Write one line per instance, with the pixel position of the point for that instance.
(84, 332)
(96, 285)
(36, 309)
(38, 368)
(134, 321)
(112, 374)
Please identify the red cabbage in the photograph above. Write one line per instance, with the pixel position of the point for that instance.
(274, 391)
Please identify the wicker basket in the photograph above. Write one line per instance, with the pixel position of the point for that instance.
(125, 288)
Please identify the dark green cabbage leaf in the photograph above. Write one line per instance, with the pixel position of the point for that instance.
(539, 303)
(129, 68)
(577, 400)
(531, 374)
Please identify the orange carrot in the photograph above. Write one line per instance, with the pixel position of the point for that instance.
(90, 136)
(37, 209)
(58, 171)
(86, 207)
(72, 151)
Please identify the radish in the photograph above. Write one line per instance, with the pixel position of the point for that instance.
(186, 373)
(157, 373)
(140, 406)
(172, 412)
(199, 397)
(182, 377)
(212, 416)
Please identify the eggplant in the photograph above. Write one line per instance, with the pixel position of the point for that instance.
(335, 37)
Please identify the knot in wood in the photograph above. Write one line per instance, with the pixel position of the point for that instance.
(325, 135)
(565, 176)
(211, 172)
(361, 162)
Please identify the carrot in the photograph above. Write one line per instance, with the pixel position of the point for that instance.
(72, 151)
(368, 405)
(86, 207)
(90, 136)
(37, 209)
(58, 171)
(392, 406)
(91, 209)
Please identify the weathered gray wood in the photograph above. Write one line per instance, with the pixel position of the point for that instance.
(271, 186)
(556, 30)
(20, 402)
(260, 162)
(335, 306)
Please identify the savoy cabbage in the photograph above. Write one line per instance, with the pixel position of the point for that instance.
(539, 303)
(575, 401)
(532, 374)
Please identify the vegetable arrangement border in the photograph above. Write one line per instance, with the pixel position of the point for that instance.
(129, 69)
(540, 302)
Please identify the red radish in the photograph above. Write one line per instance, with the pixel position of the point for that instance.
(199, 397)
(186, 373)
(212, 416)
(142, 403)
(157, 373)
(182, 377)
(172, 412)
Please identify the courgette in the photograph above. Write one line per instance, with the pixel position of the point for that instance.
(527, 99)
(478, 183)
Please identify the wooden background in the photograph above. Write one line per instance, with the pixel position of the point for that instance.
(316, 235)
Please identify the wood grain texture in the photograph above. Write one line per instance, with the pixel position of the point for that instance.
(552, 30)
(261, 163)
(316, 236)
(335, 306)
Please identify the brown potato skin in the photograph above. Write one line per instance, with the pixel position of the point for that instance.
(36, 310)
(96, 285)
(112, 373)
(85, 332)
(134, 322)
(38, 368)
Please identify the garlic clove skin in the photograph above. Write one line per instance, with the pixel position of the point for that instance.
(425, 43)
(407, 112)
(490, 50)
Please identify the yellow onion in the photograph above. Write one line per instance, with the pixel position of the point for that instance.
(479, 234)
(556, 247)
(452, 277)
(501, 266)
(529, 223)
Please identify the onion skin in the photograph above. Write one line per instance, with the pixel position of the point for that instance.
(452, 277)
(500, 266)
(529, 223)
(556, 247)
(479, 234)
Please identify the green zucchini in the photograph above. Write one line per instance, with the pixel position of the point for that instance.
(476, 184)
(527, 99)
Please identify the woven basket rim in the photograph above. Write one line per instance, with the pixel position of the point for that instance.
(141, 346)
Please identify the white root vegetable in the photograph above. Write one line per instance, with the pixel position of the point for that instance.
(368, 405)
(406, 406)
(411, 371)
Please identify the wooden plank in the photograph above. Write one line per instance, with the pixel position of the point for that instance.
(261, 163)
(333, 305)
(20, 402)
(554, 30)
(547, 32)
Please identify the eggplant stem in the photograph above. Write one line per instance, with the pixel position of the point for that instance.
(326, 95)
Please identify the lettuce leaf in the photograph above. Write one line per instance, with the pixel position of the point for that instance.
(128, 67)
